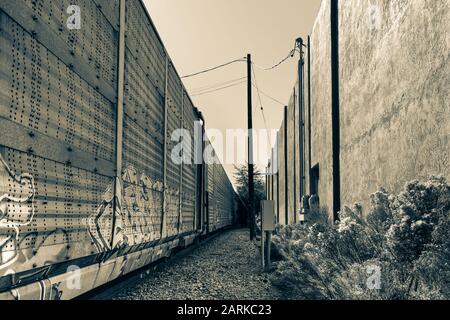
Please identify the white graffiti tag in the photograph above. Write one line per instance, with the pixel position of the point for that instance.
(138, 204)
(17, 194)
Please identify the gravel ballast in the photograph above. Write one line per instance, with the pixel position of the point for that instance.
(226, 267)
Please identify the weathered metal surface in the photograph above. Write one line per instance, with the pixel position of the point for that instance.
(57, 137)
(224, 196)
(189, 194)
(82, 147)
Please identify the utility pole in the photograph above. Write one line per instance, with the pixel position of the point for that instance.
(251, 186)
(301, 118)
(310, 181)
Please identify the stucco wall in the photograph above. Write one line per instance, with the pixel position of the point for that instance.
(394, 96)
(282, 177)
(292, 166)
(321, 103)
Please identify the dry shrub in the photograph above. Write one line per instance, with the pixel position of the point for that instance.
(406, 237)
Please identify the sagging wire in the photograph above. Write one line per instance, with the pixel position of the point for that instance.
(218, 89)
(214, 68)
(261, 106)
(214, 86)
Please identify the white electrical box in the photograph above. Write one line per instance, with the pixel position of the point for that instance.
(268, 215)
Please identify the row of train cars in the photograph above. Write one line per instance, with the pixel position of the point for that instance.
(89, 192)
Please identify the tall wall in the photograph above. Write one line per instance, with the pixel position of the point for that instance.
(394, 97)
(395, 94)
(282, 176)
(321, 151)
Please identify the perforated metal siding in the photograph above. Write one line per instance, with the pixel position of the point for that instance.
(143, 149)
(189, 192)
(57, 135)
(58, 112)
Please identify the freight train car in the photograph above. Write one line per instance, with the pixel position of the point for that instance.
(89, 99)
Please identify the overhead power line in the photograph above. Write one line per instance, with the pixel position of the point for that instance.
(213, 86)
(219, 89)
(269, 97)
(290, 55)
(213, 68)
(260, 104)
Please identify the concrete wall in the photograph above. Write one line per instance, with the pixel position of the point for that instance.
(394, 96)
(292, 166)
(321, 104)
(281, 177)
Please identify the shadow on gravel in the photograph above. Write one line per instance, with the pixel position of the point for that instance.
(225, 268)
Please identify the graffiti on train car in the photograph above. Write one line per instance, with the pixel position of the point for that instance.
(136, 219)
(16, 210)
(99, 223)
(141, 206)
(138, 208)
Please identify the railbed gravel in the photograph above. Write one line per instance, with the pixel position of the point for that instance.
(224, 268)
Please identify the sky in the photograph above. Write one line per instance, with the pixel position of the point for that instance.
(200, 34)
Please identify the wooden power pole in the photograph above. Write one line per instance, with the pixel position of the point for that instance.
(251, 185)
